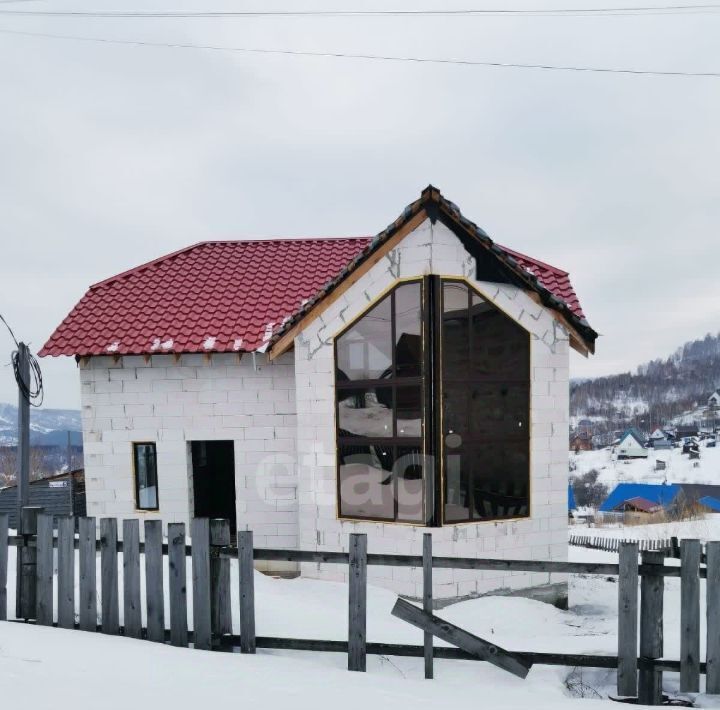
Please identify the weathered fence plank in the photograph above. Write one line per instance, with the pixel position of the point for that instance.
(4, 536)
(690, 553)
(132, 611)
(110, 617)
(178, 584)
(221, 602)
(44, 570)
(468, 642)
(26, 603)
(88, 572)
(651, 628)
(66, 572)
(202, 614)
(247, 591)
(628, 620)
(427, 602)
(712, 592)
(154, 592)
(357, 607)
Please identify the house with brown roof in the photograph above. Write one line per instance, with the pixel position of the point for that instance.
(415, 381)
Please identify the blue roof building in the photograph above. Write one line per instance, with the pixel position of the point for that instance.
(660, 493)
(571, 498)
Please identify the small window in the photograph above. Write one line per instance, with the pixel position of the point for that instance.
(146, 486)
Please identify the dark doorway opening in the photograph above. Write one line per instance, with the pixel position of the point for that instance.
(213, 467)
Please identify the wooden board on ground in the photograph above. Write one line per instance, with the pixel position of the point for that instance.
(464, 640)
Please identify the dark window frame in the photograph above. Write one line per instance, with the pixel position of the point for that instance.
(136, 480)
(432, 385)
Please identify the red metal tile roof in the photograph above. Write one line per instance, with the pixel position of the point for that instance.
(222, 297)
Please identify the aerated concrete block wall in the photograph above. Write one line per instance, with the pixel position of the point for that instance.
(435, 249)
(173, 401)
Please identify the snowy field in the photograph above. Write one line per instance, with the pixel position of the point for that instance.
(44, 667)
(707, 528)
(679, 467)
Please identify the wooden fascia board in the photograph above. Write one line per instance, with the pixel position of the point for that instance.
(285, 342)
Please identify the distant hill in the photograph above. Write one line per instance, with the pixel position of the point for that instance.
(661, 391)
(47, 426)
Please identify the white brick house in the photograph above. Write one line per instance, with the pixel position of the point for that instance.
(413, 382)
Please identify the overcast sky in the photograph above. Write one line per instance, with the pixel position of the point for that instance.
(112, 155)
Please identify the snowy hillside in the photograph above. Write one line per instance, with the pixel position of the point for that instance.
(658, 392)
(678, 467)
(48, 426)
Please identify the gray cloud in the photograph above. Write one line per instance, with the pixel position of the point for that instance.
(114, 155)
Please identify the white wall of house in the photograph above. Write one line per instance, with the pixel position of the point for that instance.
(629, 446)
(435, 249)
(173, 401)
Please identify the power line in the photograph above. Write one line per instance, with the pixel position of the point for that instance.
(496, 12)
(32, 390)
(369, 57)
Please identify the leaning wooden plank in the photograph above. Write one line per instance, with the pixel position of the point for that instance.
(712, 679)
(4, 537)
(428, 601)
(247, 591)
(154, 593)
(178, 585)
(628, 620)
(66, 572)
(652, 587)
(131, 579)
(109, 576)
(357, 603)
(202, 615)
(464, 640)
(88, 572)
(44, 570)
(690, 551)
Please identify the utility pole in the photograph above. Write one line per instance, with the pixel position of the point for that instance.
(22, 467)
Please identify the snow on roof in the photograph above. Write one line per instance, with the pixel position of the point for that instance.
(237, 296)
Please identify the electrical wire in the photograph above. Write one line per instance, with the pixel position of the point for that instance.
(371, 57)
(33, 390)
(461, 12)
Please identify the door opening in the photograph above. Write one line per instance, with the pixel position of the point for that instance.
(213, 468)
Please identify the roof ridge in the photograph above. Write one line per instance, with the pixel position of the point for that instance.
(207, 242)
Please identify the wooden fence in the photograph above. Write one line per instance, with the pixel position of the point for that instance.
(669, 546)
(639, 673)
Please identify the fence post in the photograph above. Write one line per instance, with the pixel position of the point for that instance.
(627, 619)
(357, 622)
(26, 602)
(132, 614)
(178, 584)
(202, 614)
(154, 592)
(66, 572)
(88, 574)
(109, 576)
(220, 578)
(712, 592)
(428, 601)
(4, 541)
(247, 591)
(652, 588)
(44, 570)
(690, 553)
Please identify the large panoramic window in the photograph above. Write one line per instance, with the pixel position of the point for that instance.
(146, 486)
(379, 383)
(433, 392)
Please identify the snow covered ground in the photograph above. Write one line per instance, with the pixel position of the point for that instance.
(707, 528)
(679, 467)
(72, 669)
